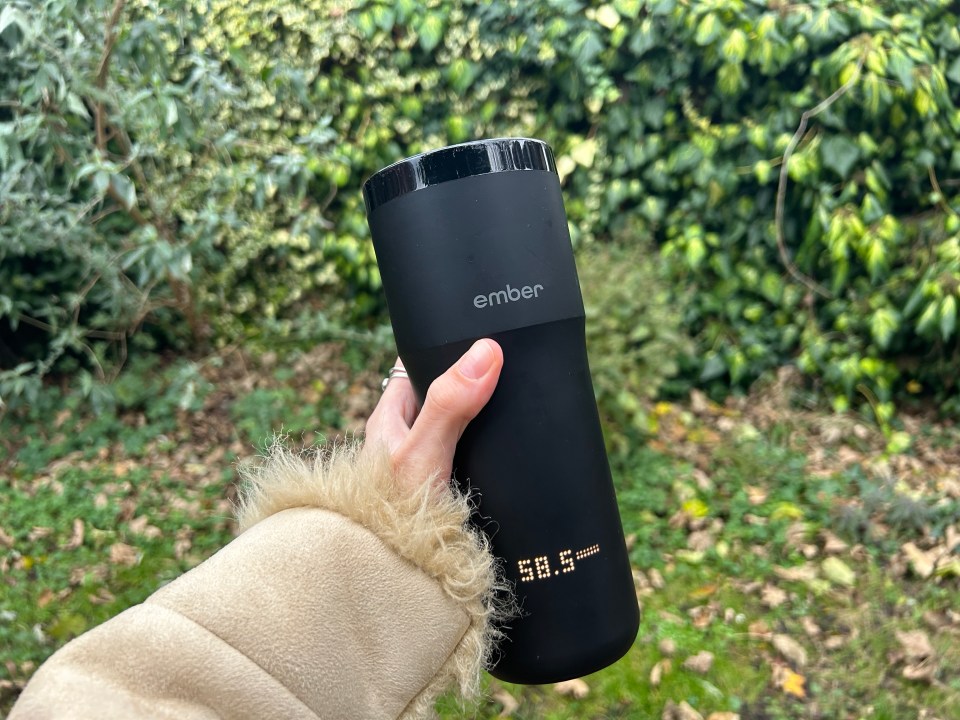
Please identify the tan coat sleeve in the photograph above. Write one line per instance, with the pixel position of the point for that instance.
(342, 599)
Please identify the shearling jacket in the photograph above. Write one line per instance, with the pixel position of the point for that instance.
(343, 597)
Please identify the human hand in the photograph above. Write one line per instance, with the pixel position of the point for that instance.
(421, 445)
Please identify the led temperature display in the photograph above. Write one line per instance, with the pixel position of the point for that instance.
(539, 568)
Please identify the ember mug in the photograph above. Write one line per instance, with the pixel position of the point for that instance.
(472, 242)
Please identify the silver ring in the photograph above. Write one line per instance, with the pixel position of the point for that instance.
(395, 372)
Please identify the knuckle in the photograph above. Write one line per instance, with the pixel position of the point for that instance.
(444, 396)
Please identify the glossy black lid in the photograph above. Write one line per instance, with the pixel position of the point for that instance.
(478, 157)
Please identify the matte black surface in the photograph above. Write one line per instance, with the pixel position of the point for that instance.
(456, 161)
(489, 255)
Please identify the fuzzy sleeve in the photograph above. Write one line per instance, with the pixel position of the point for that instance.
(343, 597)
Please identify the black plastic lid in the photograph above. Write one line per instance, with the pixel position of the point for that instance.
(478, 157)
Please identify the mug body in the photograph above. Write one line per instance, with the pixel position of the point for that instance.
(472, 242)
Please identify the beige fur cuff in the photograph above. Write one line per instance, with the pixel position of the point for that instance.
(426, 527)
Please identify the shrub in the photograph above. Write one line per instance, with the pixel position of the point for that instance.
(635, 335)
(256, 127)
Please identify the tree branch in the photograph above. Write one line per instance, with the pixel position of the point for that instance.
(794, 271)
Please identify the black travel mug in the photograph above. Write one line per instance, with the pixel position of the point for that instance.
(472, 242)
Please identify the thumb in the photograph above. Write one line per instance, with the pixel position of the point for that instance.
(452, 401)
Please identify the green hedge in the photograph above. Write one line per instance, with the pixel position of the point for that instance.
(252, 126)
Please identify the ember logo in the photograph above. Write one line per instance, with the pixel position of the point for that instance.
(507, 295)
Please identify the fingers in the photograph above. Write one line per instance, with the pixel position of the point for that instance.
(391, 419)
(452, 401)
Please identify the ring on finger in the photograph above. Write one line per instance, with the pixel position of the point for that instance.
(395, 372)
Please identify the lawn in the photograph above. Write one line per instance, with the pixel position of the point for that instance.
(786, 567)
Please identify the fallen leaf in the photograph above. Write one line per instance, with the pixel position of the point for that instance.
(508, 701)
(576, 688)
(660, 669)
(922, 563)
(915, 644)
(76, 540)
(5, 539)
(835, 642)
(123, 554)
(809, 626)
(790, 682)
(790, 649)
(772, 596)
(723, 716)
(656, 579)
(832, 545)
(838, 572)
(700, 663)
(667, 646)
(45, 597)
(700, 541)
(683, 711)
(38, 533)
(756, 495)
(798, 573)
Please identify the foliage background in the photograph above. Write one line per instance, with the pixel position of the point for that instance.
(184, 177)
(185, 268)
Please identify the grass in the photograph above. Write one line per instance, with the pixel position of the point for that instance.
(747, 525)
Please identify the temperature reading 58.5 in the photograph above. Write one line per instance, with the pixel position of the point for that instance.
(539, 568)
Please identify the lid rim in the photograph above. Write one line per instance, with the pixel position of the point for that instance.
(453, 162)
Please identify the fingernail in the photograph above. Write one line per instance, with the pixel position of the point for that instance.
(478, 360)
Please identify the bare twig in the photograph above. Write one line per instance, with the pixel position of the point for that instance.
(936, 188)
(794, 271)
(110, 39)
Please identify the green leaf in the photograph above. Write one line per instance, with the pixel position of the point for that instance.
(839, 154)
(948, 316)
(901, 67)
(713, 367)
(953, 72)
(384, 17)
(172, 115)
(431, 32)
(708, 29)
(883, 324)
(838, 572)
(584, 152)
(734, 48)
(608, 16)
(125, 188)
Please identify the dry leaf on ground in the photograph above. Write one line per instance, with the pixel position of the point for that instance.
(508, 701)
(723, 716)
(772, 596)
(790, 649)
(660, 669)
(76, 539)
(123, 554)
(919, 655)
(576, 688)
(5, 539)
(683, 711)
(789, 681)
(700, 663)
(800, 573)
(922, 563)
(667, 646)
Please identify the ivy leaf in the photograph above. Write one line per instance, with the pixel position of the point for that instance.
(708, 29)
(608, 17)
(901, 67)
(839, 154)
(948, 316)
(431, 32)
(883, 324)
